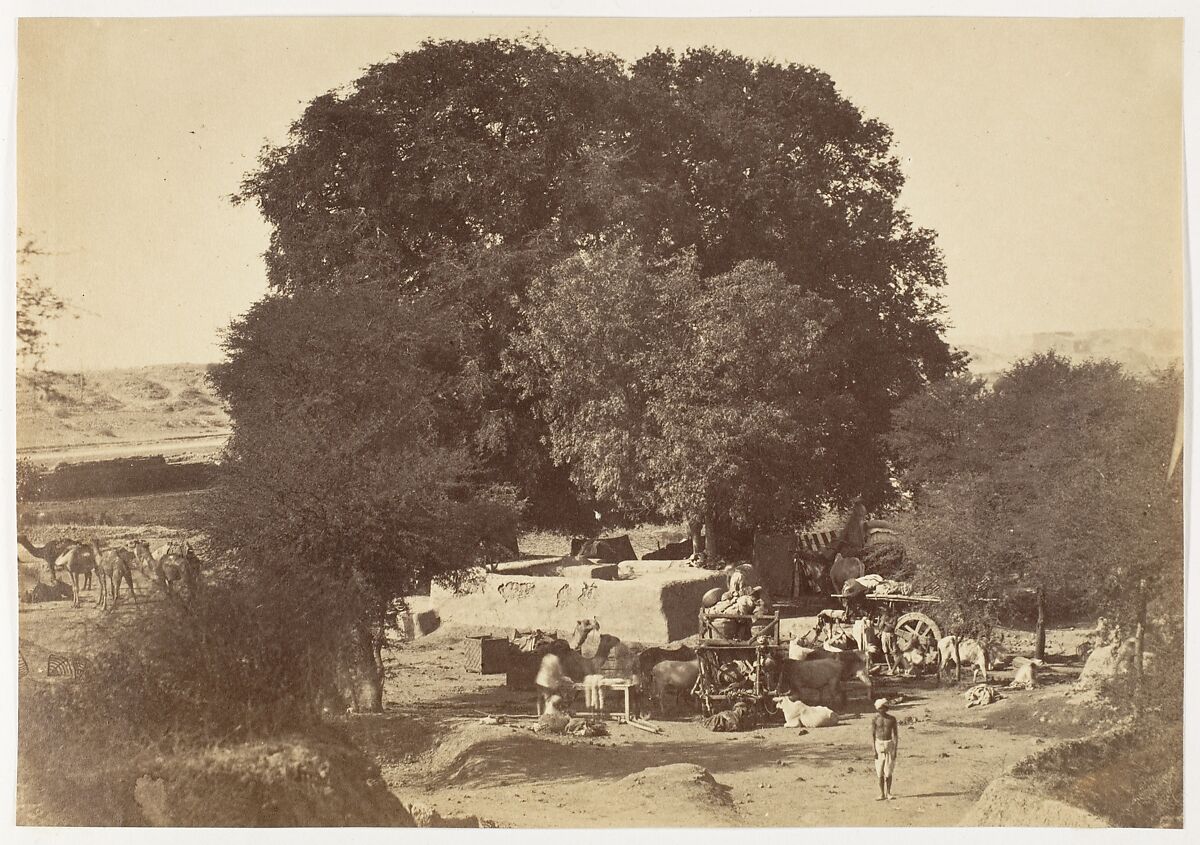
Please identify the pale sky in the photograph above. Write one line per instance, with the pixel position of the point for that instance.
(1047, 154)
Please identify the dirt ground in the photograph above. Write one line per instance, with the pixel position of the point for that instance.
(434, 751)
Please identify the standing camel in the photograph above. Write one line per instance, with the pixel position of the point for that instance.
(79, 560)
(50, 553)
(115, 566)
(178, 566)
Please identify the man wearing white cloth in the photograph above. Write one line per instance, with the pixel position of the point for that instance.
(885, 739)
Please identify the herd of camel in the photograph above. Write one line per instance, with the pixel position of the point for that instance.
(176, 568)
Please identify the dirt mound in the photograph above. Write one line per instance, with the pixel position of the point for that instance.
(483, 753)
(297, 783)
(427, 816)
(1009, 802)
(103, 777)
(287, 782)
(141, 389)
(678, 785)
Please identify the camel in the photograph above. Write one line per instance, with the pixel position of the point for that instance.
(50, 553)
(78, 560)
(176, 567)
(114, 566)
(843, 569)
(575, 659)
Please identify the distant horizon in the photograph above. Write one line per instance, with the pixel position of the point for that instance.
(957, 344)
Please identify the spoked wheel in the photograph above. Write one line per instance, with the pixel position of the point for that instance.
(924, 630)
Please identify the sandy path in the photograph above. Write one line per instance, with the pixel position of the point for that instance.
(433, 750)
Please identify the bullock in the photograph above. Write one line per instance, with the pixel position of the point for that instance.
(677, 676)
(824, 672)
(968, 653)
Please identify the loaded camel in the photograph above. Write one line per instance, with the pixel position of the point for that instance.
(115, 566)
(586, 653)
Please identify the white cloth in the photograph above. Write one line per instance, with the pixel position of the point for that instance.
(885, 757)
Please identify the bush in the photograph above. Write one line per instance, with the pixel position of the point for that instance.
(29, 480)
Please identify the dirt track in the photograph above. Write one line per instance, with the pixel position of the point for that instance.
(433, 750)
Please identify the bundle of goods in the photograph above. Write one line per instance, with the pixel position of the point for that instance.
(739, 718)
(981, 695)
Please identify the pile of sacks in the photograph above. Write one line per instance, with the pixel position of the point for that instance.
(735, 603)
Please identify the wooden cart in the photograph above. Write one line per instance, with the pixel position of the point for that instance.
(913, 621)
(733, 670)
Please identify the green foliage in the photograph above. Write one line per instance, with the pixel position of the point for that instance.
(345, 477)
(1056, 478)
(467, 168)
(29, 480)
(668, 392)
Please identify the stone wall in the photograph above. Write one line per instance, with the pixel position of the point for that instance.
(655, 608)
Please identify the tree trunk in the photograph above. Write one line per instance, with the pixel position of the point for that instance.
(364, 669)
(957, 661)
(695, 527)
(711, 547)
(1039, 649)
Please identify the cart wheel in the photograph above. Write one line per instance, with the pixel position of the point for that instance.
(924, 629)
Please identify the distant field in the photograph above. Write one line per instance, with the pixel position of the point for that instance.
(170, 510)
(112, 408)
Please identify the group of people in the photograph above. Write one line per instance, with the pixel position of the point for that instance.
(874, 634)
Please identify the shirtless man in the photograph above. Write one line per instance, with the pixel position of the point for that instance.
(885, 739)
(887, 640)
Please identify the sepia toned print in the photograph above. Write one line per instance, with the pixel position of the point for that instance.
(600, 423)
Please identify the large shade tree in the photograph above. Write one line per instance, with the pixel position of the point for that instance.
(671, 392)
(464, 169)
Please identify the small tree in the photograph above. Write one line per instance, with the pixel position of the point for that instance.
(37, 304)
(346, 477)
(1052, 481)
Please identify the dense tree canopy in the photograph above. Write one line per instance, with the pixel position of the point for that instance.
(1054, 479)
(342, 479)
(466, 168)
(670, 392)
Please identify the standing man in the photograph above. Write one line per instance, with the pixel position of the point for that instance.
(887, 639)
(885, 739)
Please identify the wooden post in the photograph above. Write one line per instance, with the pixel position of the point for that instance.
(957, 661)
(1039, 649)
